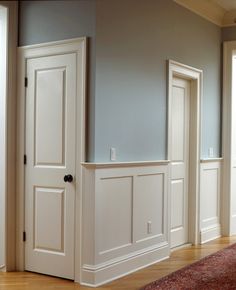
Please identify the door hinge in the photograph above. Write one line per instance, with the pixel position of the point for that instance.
(24, 236)
(25, 159)
(26, 82)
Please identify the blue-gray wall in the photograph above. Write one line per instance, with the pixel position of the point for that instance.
(131, 41)
(44, 21)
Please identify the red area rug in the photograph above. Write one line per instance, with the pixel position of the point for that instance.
(214, 272)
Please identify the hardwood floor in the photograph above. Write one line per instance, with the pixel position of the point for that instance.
(178, 259)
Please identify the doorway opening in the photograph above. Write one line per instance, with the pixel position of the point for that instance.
(184, 97)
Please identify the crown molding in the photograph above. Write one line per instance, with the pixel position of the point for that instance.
(207, 9)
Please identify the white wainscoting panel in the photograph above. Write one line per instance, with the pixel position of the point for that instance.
(149, 207)
(114, 213)
(210, 197)
(125, 219)
(233, 198)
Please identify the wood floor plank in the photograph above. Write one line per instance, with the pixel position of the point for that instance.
(178, 259)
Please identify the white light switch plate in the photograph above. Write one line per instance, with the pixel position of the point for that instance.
(113, 154)
(210, 152)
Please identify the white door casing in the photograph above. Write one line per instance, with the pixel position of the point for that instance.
(54, 151)
(228, 209)
(194, 77)
(8, 125)
(180, 161)
(3, 113)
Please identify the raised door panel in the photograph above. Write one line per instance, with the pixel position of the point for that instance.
(178, 124)
(177, 204)
(49, 217)
(50, 124)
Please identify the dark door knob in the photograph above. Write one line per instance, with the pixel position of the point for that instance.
(68, 178)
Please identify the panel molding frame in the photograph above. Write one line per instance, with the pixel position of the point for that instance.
(210, 228)
(78, 46)
(195, 76)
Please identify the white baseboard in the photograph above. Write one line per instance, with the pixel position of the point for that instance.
(233, 225)
(94, 276)
(2, 269)
(209, 234)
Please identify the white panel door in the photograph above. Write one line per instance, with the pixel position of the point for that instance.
(179, 161)
(50, 150)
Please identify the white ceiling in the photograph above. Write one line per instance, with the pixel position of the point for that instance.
(226, 4)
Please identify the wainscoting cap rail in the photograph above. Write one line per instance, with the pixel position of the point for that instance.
(124, 164)
(205, 160)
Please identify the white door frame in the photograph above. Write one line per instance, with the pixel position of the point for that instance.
(10, 136)
(228, 215)
(195, 76)
(77, 46)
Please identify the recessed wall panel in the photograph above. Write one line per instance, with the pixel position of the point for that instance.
(49, 219)
(233, 201)
(114, 213)
(209, 197)
(50, 117)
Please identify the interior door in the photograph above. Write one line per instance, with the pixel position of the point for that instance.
(179, 161)
(50, 168)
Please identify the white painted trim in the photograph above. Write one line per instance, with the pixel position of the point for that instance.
(124, 164)
(228, 220)
(111, 250)
(207, 160)
(3, 269)
(4, 34)
(11, 132)
(97, 276)
(211, 200)
(196, 77)
(78, 46)
(211, 233)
